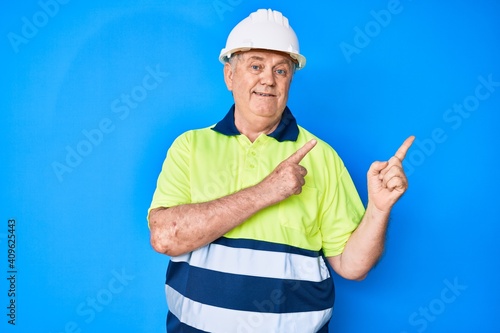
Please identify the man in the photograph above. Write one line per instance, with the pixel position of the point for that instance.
(249, 208)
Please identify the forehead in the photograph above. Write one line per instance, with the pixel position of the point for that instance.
(265, 55)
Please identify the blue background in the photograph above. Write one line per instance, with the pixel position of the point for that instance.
(83, 256)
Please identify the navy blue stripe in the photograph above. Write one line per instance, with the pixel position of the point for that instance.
(265, 246)
(249, 293)
(324, 329)
(174, 325)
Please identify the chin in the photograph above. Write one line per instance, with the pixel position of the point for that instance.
(268, 111)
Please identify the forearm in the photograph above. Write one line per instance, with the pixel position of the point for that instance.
(365, 246)
(386, 184)
(184, 228)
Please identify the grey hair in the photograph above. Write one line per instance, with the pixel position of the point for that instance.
(233, 58)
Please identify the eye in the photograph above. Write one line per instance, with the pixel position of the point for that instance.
(255, 67)
(281, 71)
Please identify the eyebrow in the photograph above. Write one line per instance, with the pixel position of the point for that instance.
(284, 61)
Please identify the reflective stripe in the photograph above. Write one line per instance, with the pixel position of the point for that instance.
(246, 243)
(218, 320)
(243, 261)
(249, 293)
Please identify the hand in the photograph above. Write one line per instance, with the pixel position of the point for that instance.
(288, 177)
(387, 181)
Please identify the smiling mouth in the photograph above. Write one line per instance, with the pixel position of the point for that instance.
(263, 94)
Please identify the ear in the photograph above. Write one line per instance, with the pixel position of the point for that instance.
(228, 76)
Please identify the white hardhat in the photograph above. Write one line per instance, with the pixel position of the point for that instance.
(263, 29)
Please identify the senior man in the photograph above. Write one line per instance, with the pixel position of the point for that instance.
(248, 209)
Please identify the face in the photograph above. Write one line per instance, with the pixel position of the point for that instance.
(260, 81)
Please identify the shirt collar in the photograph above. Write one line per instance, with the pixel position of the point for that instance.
(287, 129)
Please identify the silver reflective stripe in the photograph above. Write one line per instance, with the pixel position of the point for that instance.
(219, 320)
(250, 262)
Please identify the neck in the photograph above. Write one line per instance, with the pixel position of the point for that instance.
(252, 129)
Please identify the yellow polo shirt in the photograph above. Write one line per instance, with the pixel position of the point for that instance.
(205, 164)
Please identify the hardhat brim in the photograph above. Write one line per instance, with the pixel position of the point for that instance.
(298, 59)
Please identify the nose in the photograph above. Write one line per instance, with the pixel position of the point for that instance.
(267, 77)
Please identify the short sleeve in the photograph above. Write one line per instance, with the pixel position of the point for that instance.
(343, 213)
(173, 185)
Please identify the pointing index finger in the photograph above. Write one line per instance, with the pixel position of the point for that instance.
(302, 152)
(401, 153)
